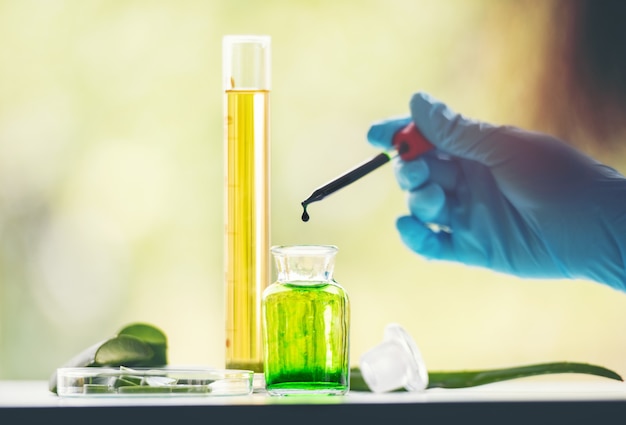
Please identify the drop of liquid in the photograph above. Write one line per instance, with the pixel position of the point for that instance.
(305, 215)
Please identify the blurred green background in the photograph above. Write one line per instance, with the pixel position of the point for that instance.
(111, 174)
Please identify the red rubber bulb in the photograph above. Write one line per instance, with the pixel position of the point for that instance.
(410, 143)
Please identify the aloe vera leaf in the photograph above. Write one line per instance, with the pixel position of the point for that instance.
(144, 389)
(84, 358)
(124, 350)
(465, 379)
(97, 389)
(119, 350)
(357, 383)
(152, 336)
(145, 332)
(128, 381)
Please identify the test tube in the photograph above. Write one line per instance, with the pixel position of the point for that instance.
(246, 82)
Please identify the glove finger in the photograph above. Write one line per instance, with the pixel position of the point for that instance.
(428, 204)
(455, 134)
(380, 134)
(411, 175)
(444, 172)
(420, 239)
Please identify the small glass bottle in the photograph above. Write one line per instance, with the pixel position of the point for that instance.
(306, 318)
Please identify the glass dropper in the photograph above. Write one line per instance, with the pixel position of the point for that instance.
(408, 142)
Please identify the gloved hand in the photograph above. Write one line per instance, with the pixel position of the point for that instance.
(515, 201)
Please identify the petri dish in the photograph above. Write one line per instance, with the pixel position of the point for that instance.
(152, 382)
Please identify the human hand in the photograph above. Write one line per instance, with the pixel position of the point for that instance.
(517, 202)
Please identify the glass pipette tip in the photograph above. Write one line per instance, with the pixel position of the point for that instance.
(409, 144)
(349, 177)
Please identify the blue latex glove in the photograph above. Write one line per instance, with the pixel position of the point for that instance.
(516, 202)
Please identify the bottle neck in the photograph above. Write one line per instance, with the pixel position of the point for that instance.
(298, 280)
(314, 264)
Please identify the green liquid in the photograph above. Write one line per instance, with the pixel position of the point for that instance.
(306, 338)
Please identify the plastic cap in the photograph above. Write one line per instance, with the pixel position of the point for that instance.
(410, 143)
(394, 363)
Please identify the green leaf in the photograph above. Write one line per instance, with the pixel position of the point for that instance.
(357, 383)
(472, 378)
(151, 335)
(123, 350)
(138, 344)
(145, 332)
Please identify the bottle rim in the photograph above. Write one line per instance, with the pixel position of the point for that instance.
(304, 250)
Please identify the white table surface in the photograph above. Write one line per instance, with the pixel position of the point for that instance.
(528, 399)
(36, 394)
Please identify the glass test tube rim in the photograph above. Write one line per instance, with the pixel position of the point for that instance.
(264, 71)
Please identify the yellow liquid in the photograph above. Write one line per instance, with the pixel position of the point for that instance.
(247, 225)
